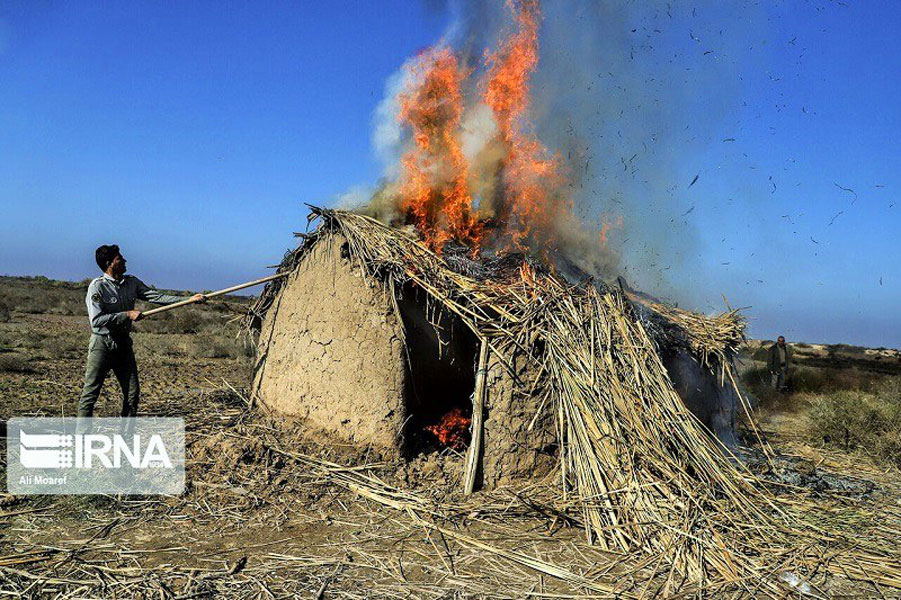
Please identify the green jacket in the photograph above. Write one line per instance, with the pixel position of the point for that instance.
(772, 360)
(108, 300)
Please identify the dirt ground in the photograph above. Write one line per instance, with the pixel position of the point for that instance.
(275, 510)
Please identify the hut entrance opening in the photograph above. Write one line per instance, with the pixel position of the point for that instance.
(441, 353)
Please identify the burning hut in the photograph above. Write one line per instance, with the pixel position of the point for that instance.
(433, 317)
(450, 314)
(569, 378)
(374, 356)
(375, 337)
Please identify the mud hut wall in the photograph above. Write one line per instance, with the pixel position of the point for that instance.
(331, 351)
(512, 451)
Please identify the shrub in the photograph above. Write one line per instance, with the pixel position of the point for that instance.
(4, 312)
(856, 420)
(49, 300)
(848, 348)
(34, 339)
(757, 380)
(185, 320)
(206, 346)
(815, 380)
(188, 321)
(761, 353)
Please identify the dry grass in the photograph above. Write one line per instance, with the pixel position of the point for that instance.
(14, 363)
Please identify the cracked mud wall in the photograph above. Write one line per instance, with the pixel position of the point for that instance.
(332, 351)
(512, 449)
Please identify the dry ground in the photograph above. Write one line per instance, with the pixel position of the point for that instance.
(273, 510)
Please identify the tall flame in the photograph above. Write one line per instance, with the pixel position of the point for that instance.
(531, 175)
(434, 188)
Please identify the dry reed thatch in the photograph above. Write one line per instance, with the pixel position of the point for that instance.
(650, 480)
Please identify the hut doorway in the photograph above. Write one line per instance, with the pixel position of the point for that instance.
(441, 354)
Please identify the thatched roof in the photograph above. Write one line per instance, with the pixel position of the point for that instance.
(647, 475)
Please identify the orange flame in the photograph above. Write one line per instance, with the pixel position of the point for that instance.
(531, 173)
(452, 430)
(526, 273)
(507, 88)
(436, 184)
(434, 193)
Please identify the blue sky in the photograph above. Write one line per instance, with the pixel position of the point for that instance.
(192, 134)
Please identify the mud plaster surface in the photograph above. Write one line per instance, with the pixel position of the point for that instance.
(513, 451)
(333, 351)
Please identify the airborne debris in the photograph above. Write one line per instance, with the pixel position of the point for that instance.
(846, 189)
(695, 180)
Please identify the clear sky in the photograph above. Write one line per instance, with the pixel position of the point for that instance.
(192, 133)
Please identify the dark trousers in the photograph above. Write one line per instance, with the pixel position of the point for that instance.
(780, 379)
(107, 354)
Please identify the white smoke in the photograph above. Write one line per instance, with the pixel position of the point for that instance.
(388, 137)
(355, 198)
(479, 130)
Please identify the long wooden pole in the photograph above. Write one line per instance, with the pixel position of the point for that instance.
(234, 288)
(473, 458)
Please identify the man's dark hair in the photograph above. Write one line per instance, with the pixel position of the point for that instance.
(105, 256)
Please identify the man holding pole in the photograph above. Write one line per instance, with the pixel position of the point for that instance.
(111, 301)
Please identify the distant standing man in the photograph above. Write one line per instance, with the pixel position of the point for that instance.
(111, 302)
(779, 361)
